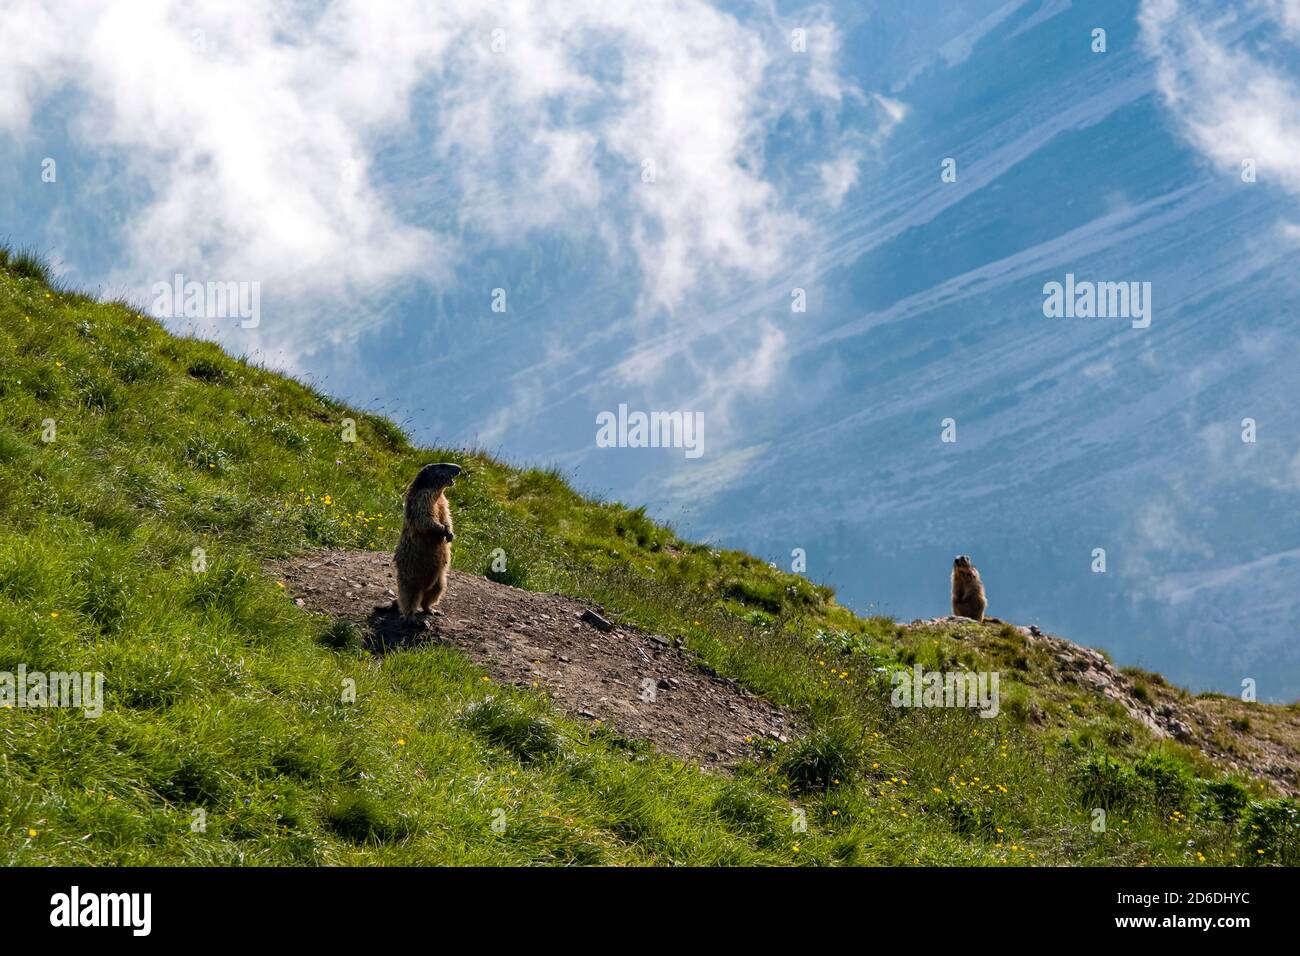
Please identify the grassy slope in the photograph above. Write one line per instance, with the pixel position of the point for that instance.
(223, 697)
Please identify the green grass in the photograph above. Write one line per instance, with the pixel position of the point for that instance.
(146, 479)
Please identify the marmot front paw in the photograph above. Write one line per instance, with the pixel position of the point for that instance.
(450, 536)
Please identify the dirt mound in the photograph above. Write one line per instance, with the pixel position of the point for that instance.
(592, 668)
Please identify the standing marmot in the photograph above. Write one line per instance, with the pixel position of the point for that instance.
(423, 553)
(967, 589)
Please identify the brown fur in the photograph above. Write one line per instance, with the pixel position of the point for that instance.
(423, 555)
(968, 598)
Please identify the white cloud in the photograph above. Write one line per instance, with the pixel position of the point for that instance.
(252, 130)
(250, 151)
(1159, 527)
(1287, 13)
(1231, 93)
(752, 373)
(30, 38)
(840, 173)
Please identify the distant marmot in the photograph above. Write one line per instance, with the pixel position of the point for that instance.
(967, 589)
(423, 554)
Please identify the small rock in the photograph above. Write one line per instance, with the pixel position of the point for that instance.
(596, 621)
(300, 602)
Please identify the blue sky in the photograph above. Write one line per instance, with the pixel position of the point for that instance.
(381, 170)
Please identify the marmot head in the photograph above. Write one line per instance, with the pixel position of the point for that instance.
(436, 476)
(961, 561)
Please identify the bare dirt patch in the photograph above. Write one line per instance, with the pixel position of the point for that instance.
(638, 683)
